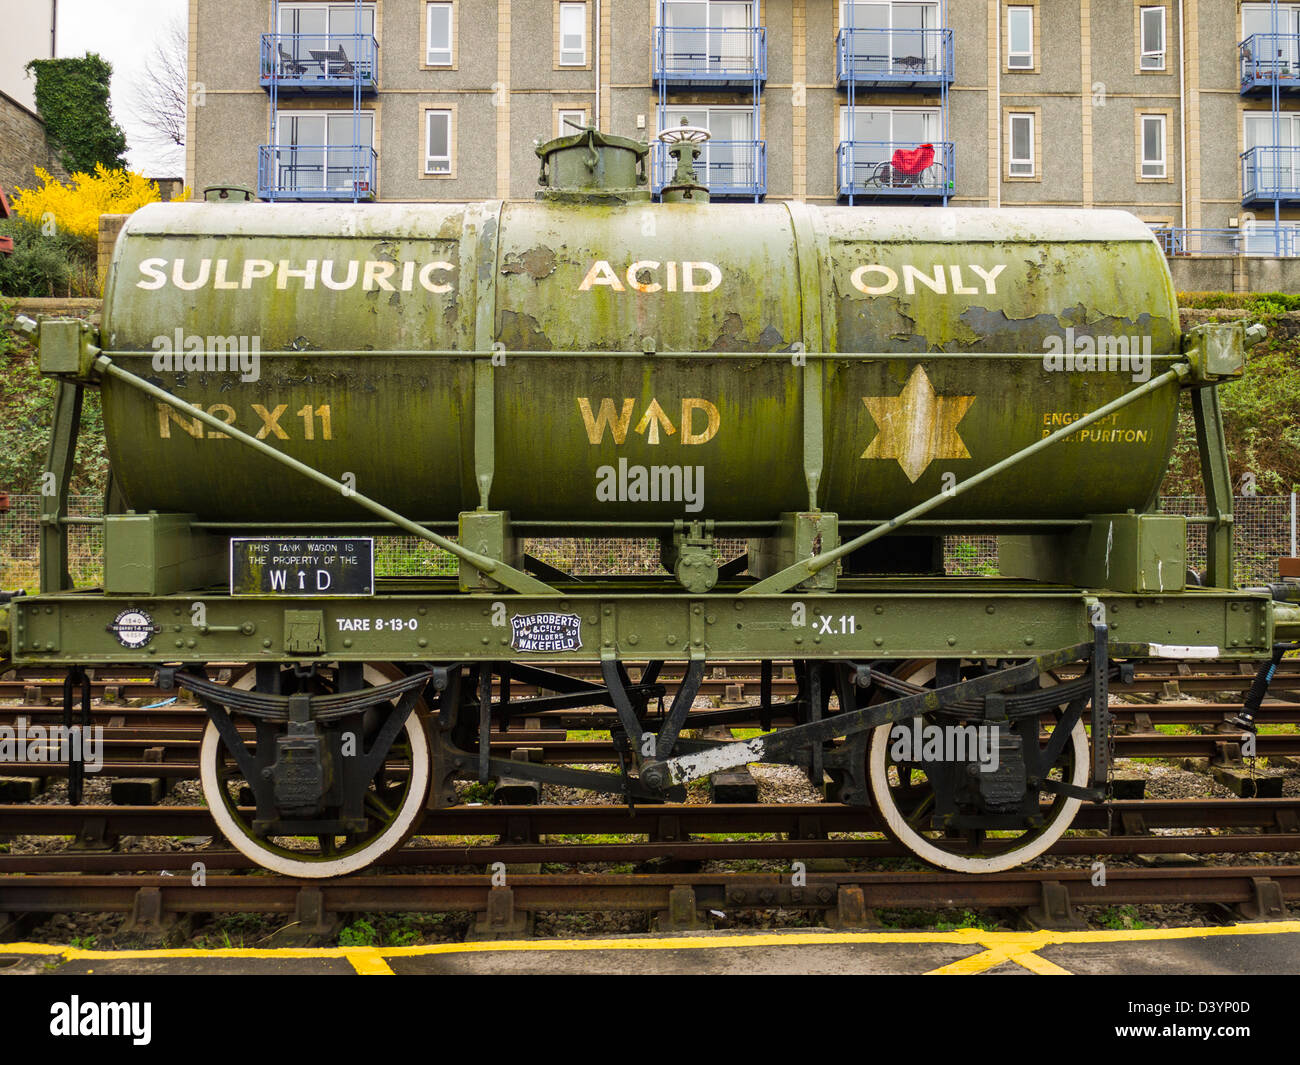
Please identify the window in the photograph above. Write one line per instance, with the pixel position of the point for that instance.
(1020, 38)
(324, 40)
(1153, 146)
(1271, 162)
(1020, 134)
(324, 150)
(1152, 29)
(441, 36)
(887, 38)
(712, 37)
(728, 160)
(437, 142)
(573, 35)
(326, 19)
(566, 119)
(1267, 53)
(898, 127)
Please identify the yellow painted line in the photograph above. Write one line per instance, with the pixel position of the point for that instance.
(369, 962)
(1006, 944)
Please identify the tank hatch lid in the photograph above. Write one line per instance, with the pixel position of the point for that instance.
(593, 167)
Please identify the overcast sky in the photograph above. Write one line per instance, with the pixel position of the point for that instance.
(124, 32)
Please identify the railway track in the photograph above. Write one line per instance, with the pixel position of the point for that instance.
(848, 897)
(684, 836)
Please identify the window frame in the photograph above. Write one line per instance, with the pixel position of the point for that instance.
(371, 120)
(892, 109)
(1142, 161)
(560, 62)
(1012, 160)
(561, 130)
(427, 111)
(1163, 53)
(453, 38)
(1027, 10)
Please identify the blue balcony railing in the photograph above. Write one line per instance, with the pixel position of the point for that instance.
(896, 59)
(1271, 172)
(710, 57)
(867, 169)
(316, 172)
(319, 62)
(1268, 56)
(728, 168)
(1249, 240)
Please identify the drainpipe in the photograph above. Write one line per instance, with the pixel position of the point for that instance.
(595, 64)
(997, 101)
(1182, 114)
(54, 27)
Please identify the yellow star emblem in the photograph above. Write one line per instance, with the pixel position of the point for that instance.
(917, 426)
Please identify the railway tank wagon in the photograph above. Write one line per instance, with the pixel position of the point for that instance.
(840, 387)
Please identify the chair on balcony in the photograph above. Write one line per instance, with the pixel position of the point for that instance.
(913, 63)
(289, 66)
(333, 63)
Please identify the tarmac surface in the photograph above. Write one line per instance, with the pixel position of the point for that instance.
(1243, 949)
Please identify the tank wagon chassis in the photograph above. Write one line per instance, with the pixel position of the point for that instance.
(358, 713)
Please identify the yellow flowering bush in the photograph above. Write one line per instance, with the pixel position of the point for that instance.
(75, 208)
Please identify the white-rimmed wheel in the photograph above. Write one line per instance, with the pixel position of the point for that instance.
(906, 792)
(392, 804)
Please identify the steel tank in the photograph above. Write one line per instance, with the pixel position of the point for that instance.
(905, 347)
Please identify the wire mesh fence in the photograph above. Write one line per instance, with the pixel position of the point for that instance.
(1263, 530)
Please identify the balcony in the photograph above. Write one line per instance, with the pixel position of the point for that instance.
(730, 169)
(1269, 56)
(1249, 240)
(894, 59)
(1270, 173)
(710, 58)
(318, 62)
(315, 172)
(868, 170)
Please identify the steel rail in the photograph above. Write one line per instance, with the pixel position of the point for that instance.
(644, 892)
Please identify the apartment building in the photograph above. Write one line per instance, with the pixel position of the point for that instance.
(1185, 112)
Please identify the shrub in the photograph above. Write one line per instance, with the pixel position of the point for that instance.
(55, 264)
(76, 208)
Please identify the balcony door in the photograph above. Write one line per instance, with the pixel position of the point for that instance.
(873, 135)
(1282, 52)
(317, 151)
(729, 158)
(1273, 166)
(709, 37)
(897, 41)
(325, 28)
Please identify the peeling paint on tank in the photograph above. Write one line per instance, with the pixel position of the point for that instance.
(537, 263)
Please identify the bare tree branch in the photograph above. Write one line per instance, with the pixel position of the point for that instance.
(158, 100)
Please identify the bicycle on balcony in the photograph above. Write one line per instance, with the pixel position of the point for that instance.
(906, 168)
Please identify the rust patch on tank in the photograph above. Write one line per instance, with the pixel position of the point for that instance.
(537, 263)
(521, 332)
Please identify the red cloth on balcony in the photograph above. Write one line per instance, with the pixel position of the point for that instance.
(912, 161)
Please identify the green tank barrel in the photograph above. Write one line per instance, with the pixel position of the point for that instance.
(637, 337)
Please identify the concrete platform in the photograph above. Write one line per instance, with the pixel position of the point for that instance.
(1244, 949)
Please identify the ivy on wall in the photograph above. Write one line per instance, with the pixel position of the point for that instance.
(72, 100)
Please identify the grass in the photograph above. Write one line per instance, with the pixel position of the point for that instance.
(1120, 917)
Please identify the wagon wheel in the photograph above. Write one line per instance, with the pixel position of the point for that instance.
(393, 802)
(904, 795)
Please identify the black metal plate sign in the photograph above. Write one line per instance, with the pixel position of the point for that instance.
(302, 567)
